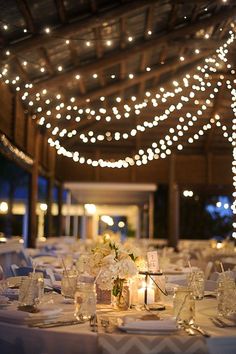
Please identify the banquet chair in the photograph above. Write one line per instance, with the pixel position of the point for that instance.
(24, 258)
(208, 270)
(24, 271)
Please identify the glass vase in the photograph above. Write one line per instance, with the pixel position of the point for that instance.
(121, 295)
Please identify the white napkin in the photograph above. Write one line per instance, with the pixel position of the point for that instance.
(152, 325)
(22, 317)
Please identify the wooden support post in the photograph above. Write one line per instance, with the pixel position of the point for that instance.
(151, 215)
(173, 207)
(60, 216)
(33, 196)
(48, 229)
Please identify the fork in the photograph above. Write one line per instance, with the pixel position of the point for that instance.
(220, 323)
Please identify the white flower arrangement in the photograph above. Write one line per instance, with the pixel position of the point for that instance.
(111, 264)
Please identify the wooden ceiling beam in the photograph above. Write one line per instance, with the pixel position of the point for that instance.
(26, 13)
(195, 12)
(87, 24)
(214, 111)
(21, 70)
(73, 54)
(149, 21)
(61, 10)
(81, 85)
(128, 53)
(47, 60)
(98, 42)
(122, 32)
(93, 6)
(172, 16)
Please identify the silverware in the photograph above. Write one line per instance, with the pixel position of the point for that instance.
(190, 331)
(55, 324)
(200, 330)
(221, 323)
(93, 323)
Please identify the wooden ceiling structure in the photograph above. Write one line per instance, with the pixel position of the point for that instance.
(81, 58)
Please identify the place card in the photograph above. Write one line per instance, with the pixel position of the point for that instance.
(153, 261)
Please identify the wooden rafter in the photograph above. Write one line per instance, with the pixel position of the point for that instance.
(117, 56)
(61, 10)
(215, 110)
(122, 32)
(163, 54)
(93, 6)
(73, 53)
(21, 70)
(195, 12)
(149, 20)
(26, 13)
(87, 23)
(98, 42)
(47, 60)
(173, 15)
(81, 85)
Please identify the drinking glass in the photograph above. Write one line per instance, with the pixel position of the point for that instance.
(30, 291)
(68, 283)
(196, 282)
(184, 305)
(226, 296)
(85, 299)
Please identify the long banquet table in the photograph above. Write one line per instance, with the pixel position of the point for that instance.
(80, 339)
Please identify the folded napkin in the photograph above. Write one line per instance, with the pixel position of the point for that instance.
(20, 317)
(151, 325)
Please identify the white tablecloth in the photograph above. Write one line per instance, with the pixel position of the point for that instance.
(79, 339)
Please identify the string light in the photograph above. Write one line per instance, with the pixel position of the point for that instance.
(15, 151)
(212, 67)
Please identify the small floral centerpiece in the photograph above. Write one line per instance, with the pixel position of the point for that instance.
(112, 264)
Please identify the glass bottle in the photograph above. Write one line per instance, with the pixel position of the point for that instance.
(85, 298)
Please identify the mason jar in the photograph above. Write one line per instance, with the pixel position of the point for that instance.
(85, 299)
(184, 305)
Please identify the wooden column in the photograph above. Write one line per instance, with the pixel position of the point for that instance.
(60, 216)
(33, 195)
(68, 216)
(48, 229)
(173, 206)
(151, 215)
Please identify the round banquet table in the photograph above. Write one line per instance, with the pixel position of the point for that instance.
(80, 339)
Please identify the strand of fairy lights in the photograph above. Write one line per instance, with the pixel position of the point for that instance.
(117, 135)
(113, 164)
(141, 157)
(123, 163)
(102, 112)
(90, 137)
(117, 113)
(141, 127)
(63, 104)
(136, 160)
(233, 142)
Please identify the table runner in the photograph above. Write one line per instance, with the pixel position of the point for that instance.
(146, 344)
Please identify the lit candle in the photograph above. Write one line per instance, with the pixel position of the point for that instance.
(150, 295)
